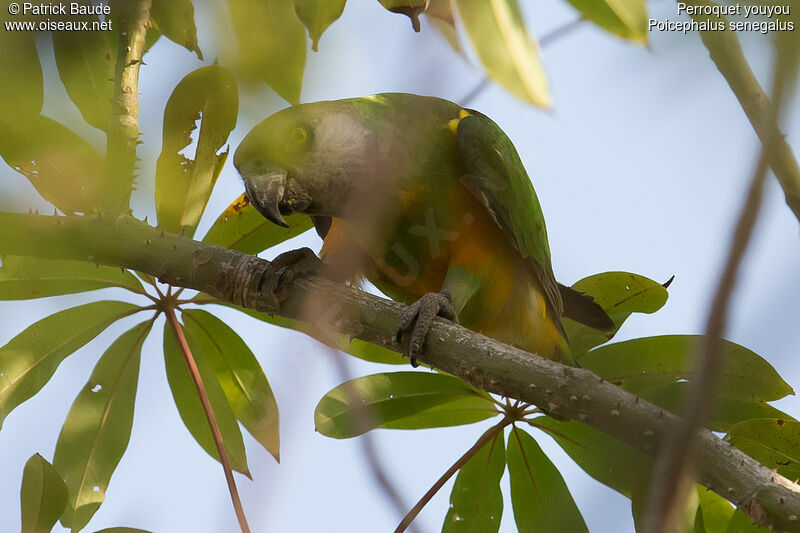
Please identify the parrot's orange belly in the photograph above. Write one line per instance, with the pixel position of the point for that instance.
(510, 303)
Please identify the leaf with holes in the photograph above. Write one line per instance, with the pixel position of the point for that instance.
(272, 44)
(476, 502)
(29, 360)
(400, 400)
(175, 20)
(22, 90)
(62, 167)
(626, 18)
(43, 496)
(183, 185)
(619, 294)
(98, 427)
(86, 67)
(241, 227)
(541, 499)
(603, 457)
(24, 278)
(641, 365)
(241, 377)
(724, 414)
(191, 410)
(501, 40)
(774, 443)
(317, 15)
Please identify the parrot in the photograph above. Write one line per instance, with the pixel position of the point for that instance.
(428, 201)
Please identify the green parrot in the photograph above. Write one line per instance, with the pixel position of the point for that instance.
(428, 201)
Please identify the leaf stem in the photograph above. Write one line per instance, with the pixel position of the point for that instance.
(489, 435)
(212, 421)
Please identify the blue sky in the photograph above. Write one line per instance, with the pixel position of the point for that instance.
(641, 165)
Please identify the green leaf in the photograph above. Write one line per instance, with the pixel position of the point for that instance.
(409, 8)
(98, 427)
(725, 413)
(272, 44)
(86, 67)
(175, 19)
(43, 496)
(440, 14)
(191, 410)
(400, 400)
(541, 499)
(619, 294)
(498, 34)
(241, 377)
(603, 457)
(22, 90)
(24, 278)
(317, 15)
(241, 227)
(62, 166)
(687, 516)
(626, 18)
(476, 503)
(741, 523)
(715, 510)
(29, 360)
(774, 443)
(641, 365)
(184, 185)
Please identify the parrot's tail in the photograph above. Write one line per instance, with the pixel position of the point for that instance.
(582, 308)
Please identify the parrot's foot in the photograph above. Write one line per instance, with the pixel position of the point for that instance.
(292, 265)
(421, 314)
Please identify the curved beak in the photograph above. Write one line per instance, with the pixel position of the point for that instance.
(274, 194)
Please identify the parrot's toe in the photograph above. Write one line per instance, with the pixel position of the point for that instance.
(419, 316)
(292, 265)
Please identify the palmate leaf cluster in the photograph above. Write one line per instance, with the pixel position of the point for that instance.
(69, 173)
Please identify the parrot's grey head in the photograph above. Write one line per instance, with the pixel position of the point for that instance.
(312, 158)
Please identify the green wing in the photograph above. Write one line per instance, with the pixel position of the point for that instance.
(494, 174)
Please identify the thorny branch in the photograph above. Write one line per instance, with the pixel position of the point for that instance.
(567, 392)
(133, 19)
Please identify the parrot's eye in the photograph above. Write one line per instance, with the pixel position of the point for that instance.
(299, 135)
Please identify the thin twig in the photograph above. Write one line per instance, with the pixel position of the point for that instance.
(548, 38)
(489, 435)
(665, 494)
(726, 53)
(212, 421)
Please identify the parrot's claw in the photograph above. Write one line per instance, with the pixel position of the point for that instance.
(421, 315)
(292, 265)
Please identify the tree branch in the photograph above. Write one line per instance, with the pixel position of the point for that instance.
(132, 19)
(726, 53)
(573, 393)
